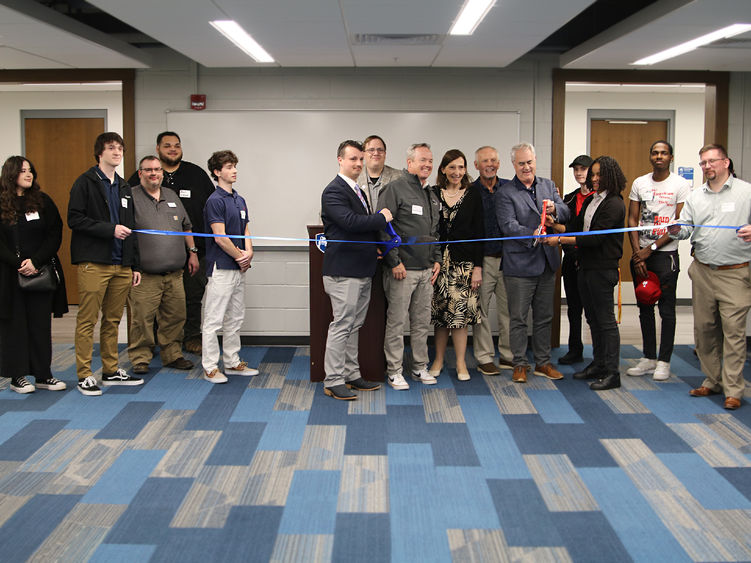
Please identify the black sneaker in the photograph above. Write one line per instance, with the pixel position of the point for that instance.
(120, 377)
(22, 385)
(89, 387)
(51, 384)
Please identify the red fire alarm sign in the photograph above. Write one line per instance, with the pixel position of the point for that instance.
(198, 101)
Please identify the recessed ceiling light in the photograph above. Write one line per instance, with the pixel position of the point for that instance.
(723, 33)
(470, 16)
(235, 33)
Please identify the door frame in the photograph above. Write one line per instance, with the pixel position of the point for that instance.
(716, 107)
(126, 76)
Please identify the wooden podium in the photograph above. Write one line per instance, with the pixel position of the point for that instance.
(372, 358)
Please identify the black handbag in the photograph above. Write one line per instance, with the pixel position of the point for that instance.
(46, 279)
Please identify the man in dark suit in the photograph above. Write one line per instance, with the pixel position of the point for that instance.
(348, 270)
(529, 267)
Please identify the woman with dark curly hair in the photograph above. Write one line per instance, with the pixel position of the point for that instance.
(30, 235)
(456, 295)
(598, 268)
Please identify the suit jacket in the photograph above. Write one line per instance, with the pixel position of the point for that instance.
(345, 218)
(518, 216)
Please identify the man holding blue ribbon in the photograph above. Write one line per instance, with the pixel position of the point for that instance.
(720, 275)
(348, 269)
(529, 267)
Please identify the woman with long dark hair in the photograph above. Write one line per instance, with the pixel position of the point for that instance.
(598, 268)
(30, 235)
(456, 295)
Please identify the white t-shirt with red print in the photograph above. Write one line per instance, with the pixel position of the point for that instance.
(658, 201)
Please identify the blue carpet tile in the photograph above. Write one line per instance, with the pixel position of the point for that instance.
(268, 468)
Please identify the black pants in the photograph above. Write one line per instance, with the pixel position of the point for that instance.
(665, 266)
(598, 286)
(194, 288)
(573, 304)
(26, 337)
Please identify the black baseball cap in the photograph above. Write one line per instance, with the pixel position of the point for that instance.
(582, 160)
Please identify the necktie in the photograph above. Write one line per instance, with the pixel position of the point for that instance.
(358, 189)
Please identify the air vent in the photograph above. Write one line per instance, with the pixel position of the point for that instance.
(396, 39)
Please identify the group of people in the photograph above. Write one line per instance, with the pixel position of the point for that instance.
(163, 278)
(445, 276)
(446, 273)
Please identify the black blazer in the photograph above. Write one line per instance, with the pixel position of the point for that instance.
(345, 218)
(599, 252)
(468, 224)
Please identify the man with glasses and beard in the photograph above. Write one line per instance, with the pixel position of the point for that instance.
(193, 186)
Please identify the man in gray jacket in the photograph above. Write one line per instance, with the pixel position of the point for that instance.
(375, 174)
(410, 270)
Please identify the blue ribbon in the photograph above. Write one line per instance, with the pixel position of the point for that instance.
(396, 240)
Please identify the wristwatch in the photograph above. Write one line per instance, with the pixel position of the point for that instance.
(193, 249)
(653, 246)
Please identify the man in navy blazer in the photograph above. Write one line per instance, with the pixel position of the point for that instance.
(348, 270)
(529, 267)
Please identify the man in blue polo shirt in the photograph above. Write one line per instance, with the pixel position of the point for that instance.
(227, 259)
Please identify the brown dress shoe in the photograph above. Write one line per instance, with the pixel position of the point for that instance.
(548, 371)
(193, 345)
(731, 403)
(520, 374)
(488, 369)
(141, 368)
(180, 363)
(702, 392)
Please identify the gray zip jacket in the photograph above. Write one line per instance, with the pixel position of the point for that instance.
(416, 212)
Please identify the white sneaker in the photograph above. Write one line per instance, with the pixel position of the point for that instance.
(215, 376)
(644, 366)
(241, 369)
(662, 371)
(424, 376)
(397, 381)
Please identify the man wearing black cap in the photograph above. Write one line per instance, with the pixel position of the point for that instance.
(575, 200)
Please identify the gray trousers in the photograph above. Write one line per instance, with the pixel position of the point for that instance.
(523, 293)
(407, 299)
(349, 303)
(482, 336)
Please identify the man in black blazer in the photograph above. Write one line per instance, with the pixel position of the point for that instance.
(348, 270)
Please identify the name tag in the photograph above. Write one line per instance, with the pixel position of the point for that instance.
(242, 214)
(648, 196)
(171, 204)
(184, 193)
(32, 216)
(124, 202)
(175, 217)
(417, 210)
(728, 207)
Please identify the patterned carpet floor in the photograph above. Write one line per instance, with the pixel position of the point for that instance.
(269, 469)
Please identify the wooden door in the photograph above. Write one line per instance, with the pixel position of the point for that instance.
(628, 142)
(61, 150)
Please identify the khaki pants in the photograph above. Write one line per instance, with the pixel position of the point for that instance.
(407, 298)
(482, 336)
(721, 300)
(159, 297)
(101, 288)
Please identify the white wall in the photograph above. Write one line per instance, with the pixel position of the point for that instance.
(12, 102)
(689, 137)
(277, 286)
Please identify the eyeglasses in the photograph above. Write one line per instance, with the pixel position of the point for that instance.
(373, 151)
(150, 170)
(709, 161)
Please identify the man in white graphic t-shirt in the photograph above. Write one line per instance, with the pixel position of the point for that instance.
(656, 199)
